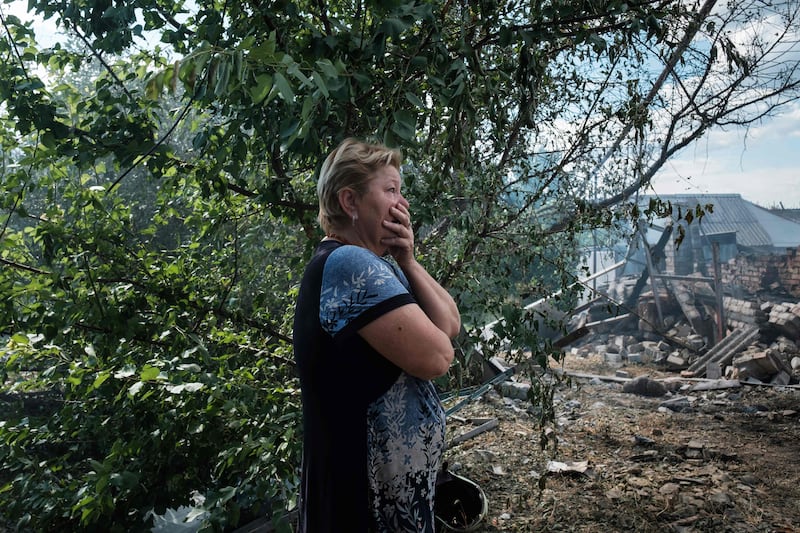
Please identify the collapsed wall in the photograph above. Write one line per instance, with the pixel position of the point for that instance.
(677, 327)
(757, 273)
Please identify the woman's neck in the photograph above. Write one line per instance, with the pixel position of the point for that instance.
(337, 237)
(352, 238)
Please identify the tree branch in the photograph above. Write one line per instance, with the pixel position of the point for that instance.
(26, 268)
(97, 55)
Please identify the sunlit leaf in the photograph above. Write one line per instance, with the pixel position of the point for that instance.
(149, 373)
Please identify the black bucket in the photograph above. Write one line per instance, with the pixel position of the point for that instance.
(460, 504)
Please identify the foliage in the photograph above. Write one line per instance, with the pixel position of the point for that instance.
(159, 204)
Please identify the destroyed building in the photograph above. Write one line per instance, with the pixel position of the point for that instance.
(720, 301)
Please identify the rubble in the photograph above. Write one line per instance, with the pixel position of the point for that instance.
(645, 386)
(700, 322)
(722, 353)
(760, 342)
(703, 457)
(669, 421)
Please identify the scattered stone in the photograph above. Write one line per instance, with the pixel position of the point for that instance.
(716, 384)
(669, 488)
(515, 390)
(679, 404)
(720, 498)
(645, 386)
(634, 358)
(568, 467)
(676, 361)
(643, 441)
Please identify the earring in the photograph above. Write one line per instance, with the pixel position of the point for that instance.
(355, 217)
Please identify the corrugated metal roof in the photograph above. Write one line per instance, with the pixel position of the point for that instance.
(784, 233)
(754, 226)
(790, 214)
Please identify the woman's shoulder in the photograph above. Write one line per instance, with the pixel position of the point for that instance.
(356, 255)
(351, 263)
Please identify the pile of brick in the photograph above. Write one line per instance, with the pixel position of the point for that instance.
(742, 313)
(675, 324)
(764, 272)
(783, 318)
(767, 365)
(762, 345)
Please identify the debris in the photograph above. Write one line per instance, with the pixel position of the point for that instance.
(761, 364)
(515, 390)
(716, 384)
(644, 386)
(727, 360)
(723, 352)
(486, 426)
(569, 467)
(679, 404)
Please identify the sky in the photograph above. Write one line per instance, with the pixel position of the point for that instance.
(762, 163)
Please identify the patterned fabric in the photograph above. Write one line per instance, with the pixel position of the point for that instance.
(373, 435)
(406, 424)
(406, 443)
(355, 280)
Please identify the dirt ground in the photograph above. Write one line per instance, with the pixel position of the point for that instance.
(727, 461)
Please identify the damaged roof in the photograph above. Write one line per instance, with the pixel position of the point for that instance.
(754, 226)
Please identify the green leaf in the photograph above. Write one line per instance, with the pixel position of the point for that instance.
(393, 27)
(154, 86)
(293, 69)
(320, 83)
(415, 100)
(264, 52)
(20, 338)
(223, 76)
(124, 480)
(404, 125)
(48, 140)
(149, 373)
(184, 387)
(100, 379)
(284, 88)
(327, 68)
(262, 88)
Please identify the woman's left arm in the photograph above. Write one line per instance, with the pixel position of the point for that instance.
(433, 298)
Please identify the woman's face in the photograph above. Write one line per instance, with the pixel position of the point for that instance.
(373, 207)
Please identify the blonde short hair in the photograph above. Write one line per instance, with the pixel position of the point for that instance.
(351, 165)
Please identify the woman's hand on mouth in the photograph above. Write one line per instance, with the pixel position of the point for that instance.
(401, 245)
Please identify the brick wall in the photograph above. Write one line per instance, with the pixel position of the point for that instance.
(768, 272)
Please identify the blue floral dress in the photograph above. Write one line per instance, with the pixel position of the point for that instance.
(373, 435)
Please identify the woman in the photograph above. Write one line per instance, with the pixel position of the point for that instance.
(371, 329)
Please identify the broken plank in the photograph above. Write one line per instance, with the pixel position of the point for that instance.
(483, 428)
(716, 384)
